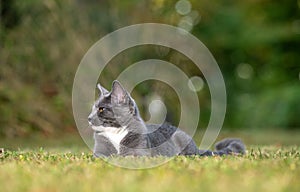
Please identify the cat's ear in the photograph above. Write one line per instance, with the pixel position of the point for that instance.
(102, 90)
(118, 93)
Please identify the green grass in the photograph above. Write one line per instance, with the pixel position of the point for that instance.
(264, 168)
(68, 165)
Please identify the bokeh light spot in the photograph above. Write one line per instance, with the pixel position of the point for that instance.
(196, 83)
(183, 7)
(195, 17)
(156, 106)
(296, 26)
(186, 23)
(244, 71)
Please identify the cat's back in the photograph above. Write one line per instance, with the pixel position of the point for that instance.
(169, 140)
(160, 133)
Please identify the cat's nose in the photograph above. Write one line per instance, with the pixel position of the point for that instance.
(89, 119)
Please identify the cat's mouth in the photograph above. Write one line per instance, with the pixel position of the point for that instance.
(96, 129)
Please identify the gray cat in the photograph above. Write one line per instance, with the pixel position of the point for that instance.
(119, 130)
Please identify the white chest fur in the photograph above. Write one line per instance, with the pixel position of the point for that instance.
(113, 134)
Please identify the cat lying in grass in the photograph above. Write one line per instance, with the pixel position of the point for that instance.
(120, 130)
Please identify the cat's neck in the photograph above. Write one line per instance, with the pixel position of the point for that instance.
(137, 125)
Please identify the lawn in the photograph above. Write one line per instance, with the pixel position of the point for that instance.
(267, 167)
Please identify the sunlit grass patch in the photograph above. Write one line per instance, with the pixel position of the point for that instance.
(263, 168)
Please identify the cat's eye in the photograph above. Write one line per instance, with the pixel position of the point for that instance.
(101, 109)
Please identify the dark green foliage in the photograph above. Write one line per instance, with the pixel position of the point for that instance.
(256, 44)
(9, 14)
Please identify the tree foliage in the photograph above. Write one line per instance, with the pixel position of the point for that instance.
(256, 44)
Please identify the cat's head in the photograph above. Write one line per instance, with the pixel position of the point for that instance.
(114, 109)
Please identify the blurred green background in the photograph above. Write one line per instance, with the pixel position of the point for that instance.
(256, 44)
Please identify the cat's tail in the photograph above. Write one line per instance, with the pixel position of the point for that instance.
(228, 146)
